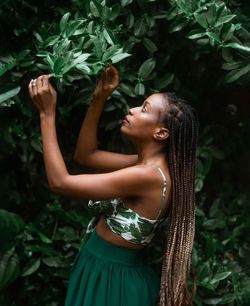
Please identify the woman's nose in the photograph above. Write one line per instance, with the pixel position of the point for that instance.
(133, 110)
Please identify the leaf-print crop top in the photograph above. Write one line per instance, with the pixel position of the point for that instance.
(125, 222)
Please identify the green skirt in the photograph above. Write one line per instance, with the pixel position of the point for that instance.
(104, 274)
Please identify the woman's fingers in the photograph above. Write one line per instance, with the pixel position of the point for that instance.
(46, 83)
(39, 83)
(111, 76)
(33, 88)
(37, 86)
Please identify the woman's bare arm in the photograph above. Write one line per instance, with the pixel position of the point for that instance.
(87, 152)
(99, 185)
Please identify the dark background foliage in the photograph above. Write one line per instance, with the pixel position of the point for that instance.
(198, 48)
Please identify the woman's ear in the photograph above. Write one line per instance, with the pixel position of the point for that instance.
(161, 133)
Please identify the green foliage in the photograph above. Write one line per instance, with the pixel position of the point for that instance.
(183, 46)
(213, 24)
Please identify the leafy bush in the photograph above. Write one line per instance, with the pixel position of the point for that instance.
(184, 46)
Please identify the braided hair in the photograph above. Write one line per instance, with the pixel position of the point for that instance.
(181, 120)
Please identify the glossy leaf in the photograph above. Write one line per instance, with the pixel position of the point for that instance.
(237, 73)
(119, 57)
(194, 34)
(146, 68)
(63, 21)
(9, 94)
(9, 268)
(150, 45)
(32, 267)
(238, 47)
(224, 19)
(139, 89)
(220, 276)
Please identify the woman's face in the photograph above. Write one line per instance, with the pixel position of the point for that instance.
(142, 122)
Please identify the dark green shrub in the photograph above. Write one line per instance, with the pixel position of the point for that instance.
(193, 47)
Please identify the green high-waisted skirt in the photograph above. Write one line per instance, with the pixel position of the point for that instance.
(104, 274)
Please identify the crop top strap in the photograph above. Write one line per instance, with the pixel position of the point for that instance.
(163, 197)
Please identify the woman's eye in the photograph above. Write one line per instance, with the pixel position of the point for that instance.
(143, 109)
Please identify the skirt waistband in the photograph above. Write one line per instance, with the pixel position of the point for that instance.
(106, 250)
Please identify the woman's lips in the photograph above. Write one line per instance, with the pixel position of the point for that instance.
(125, 120)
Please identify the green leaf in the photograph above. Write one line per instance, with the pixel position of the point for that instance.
(220, 276)
(228, 32)
(10, 226)
(213, 36)
(214, 209)
(212, 301)
(91, 27)
(125, 2)
(203, 41)
(149, 45)
(178, 24)
(130, 20)
(197, 33)
(119, 57)
(231, 66)
(198, 184)
(62, 47)
(110, 52)
(228, 299)
(127, 89)
(202, 21)
(224, 19)
(22, 55)
(9, 94)
(32, 267)
(38, 37)
(50, 41)
(172, 12)
(53, 262)
(95, 9)
(83, 68)
(213, 224)
(115, 12)
(236, 74)
(58, 66)
(199, 212)
(9, 268)
(6, 67)
(238, 47)
(82, 58)
(43, 237)
(109, 36)
(42, 53)
(140, 27)
(72, 27)
(211, 15)
(98, 47)
(36, 143)
(139, 89)
(63, 21)
(146, 68)
(165, 81)
(50, 60)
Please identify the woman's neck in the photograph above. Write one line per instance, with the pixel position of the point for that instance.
(150, 154)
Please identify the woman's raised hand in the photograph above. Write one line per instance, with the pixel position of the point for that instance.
(43, 95)
(107, 84)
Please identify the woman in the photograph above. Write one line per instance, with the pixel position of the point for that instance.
(143, 190)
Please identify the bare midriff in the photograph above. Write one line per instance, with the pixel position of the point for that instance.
(104, 232)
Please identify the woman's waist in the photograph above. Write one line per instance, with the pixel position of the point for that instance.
(114, 238)
(107, 251)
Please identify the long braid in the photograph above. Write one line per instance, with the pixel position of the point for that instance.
(182, 123)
